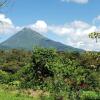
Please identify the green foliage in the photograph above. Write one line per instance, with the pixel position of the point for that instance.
(90, 95)
(94, 35)
(62, 74)
(4, 77)
(13, 60)
(14, 96)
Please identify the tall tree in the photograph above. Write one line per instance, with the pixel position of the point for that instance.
(95, 35)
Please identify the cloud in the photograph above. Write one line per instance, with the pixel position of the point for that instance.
(40, 26)
(74, 33)
(75, 28)
(76, 1)
(96, 20)
(6, 25)
(4, 19)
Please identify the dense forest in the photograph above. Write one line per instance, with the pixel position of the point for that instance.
(52, 74)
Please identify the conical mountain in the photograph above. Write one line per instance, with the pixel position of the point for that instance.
(27, 39)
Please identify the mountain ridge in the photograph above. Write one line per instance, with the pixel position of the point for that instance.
(28, 38)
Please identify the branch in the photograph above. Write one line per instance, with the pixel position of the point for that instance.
(3, 3)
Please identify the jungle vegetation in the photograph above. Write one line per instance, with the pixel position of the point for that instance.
(56, 75)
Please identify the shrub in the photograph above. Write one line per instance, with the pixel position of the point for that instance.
(4, 77)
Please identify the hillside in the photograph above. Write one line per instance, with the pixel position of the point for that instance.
(27, 39)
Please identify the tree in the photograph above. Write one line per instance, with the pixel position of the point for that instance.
(94, 35)
(3, 3)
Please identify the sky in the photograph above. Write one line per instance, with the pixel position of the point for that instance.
(65, 21)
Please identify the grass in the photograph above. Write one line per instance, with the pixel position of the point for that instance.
(13, 96)
(4, 95)
(11, 93)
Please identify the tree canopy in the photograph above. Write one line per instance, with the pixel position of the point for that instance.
(94, 35)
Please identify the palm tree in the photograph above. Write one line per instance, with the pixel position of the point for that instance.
(94, 35)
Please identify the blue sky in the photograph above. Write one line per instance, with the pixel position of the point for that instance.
(52, 11)
(67, 21)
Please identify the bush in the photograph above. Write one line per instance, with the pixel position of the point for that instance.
(4, 77)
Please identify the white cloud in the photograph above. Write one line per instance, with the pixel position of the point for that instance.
(60, 30)
(4, 19)
(96, 20)
(98, 17)
(6, 25)
(77, 1)
(7, 28)
(74, 33)
(39, 26)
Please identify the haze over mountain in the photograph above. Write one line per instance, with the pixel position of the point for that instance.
(27, 39)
